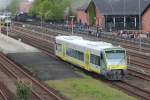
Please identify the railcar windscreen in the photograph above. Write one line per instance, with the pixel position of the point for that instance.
(116, 57)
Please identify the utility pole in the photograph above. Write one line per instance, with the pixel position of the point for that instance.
(72, 19)
(42, 25)
(41, 16)
(139, 25)
(41, 21)
(0, 26)
(7, 27)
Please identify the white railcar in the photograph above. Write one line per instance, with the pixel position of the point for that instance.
(100, 57)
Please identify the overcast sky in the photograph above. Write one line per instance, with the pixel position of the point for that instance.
(31, 0)
(4, 3)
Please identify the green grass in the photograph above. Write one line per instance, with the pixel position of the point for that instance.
(87, 89)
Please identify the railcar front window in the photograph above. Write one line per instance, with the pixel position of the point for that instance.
(115, 57)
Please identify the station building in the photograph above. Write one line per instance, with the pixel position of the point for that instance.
(118, 14)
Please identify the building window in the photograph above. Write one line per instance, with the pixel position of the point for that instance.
(132, 22)
(119, 22)
(109, 19)
(94, 59)
(75, 54)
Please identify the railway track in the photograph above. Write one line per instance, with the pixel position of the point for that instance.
(5, 94)
(134, 60)
(136, 56)
(136, 90)
(2, 95)
(134, 43)
(39, 90)
(138, 74)
(135, 47)
(143, 94)
(125, 44)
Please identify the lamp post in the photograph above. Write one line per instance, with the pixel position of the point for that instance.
(41, 21)
(7, 27)
(0, 26)
(8, 22)
(41, 18)
(72, 19)
(94, 20)
(139, 25)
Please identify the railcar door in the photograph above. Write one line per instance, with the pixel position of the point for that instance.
(95, 62)
(58, 49)
(64, 49)
(103, 61)
(87, 59)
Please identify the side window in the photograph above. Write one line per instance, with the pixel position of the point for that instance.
(80, 55)
(94, 59)
(59, 47)
(68, 52)
(75, 54)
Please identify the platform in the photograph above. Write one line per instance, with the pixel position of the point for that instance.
(9, 45)
(43, 66)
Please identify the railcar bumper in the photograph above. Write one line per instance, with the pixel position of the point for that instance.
(115, 74)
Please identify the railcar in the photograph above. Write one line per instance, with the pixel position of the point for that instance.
(23, 17)
(5, 20)
(99, 57)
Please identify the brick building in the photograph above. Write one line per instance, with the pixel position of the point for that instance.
(81, 15)
(25, 6)
(119, 14)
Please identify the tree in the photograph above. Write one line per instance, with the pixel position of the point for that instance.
(49, 9)
(70, 12)
(13, 7)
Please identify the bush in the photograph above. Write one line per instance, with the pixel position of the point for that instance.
(24, 89)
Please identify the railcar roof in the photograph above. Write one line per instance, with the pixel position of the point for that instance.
(97, 45)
